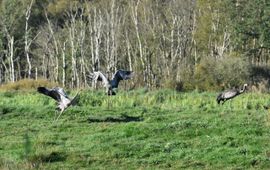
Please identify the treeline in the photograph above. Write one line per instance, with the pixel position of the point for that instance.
(202, 44)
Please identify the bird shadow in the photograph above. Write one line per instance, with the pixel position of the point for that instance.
(120, 119)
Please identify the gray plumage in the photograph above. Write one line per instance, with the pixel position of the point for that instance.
(229, 94)
(111, 84)
(60, 96)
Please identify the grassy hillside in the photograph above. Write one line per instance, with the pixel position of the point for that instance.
(135, 130)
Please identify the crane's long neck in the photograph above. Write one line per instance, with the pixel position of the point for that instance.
(243, 89)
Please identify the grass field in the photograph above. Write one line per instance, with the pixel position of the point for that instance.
(135, 130)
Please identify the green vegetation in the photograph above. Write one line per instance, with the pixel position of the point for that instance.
(135, 130)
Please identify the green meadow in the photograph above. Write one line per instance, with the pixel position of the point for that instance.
(139, 129)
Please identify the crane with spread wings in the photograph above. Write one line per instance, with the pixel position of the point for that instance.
(58, 94)
(111, 84)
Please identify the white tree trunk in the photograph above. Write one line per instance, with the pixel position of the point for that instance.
(64, 64)
(11, 60)
(134, 12)
(26, 38)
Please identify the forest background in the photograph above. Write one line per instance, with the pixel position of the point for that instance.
(179, 44)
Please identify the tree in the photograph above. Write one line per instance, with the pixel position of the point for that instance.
(251, 29)
(212, 34)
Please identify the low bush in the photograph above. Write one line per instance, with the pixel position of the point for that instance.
(217, 74)
(26, 84)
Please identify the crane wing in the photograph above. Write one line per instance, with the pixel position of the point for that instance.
(98, 76)
(61, 91)
(122, 75)
(49, 92)
(75, 99)
(229, 94)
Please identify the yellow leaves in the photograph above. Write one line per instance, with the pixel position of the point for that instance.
(60, 6)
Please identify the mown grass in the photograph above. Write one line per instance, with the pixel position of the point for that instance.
(135, 130)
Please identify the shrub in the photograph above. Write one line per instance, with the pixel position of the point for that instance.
(26, 84)
(214, 74)
(260, 79)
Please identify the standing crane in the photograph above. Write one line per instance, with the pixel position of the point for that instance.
(229, 94)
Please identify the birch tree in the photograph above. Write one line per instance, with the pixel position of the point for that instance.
(26, 38)
(135, 19)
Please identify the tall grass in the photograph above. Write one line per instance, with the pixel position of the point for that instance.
(26, 85)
